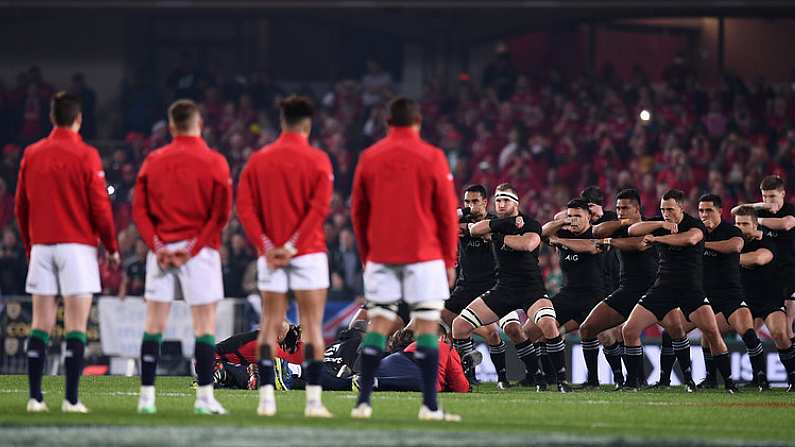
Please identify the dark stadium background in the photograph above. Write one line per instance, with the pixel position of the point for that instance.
(547, 95)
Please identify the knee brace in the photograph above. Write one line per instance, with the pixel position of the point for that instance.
(387, 311)
(471, 318)
(544, 312)
(512, 317)
(427, 310)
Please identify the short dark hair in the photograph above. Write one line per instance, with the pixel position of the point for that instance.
(578, 203)
(505, 187)
(747, 210)
(480, 189)
(295, 109)
(675, 194)
(593, 194)
(629, 194)
(772, 182)
(64, 108)
(403, 112)
(714, 198)
(182, 112)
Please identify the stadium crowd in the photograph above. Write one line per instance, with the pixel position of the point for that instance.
(550, 134)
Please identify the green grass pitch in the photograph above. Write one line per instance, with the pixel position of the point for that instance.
(491, 418)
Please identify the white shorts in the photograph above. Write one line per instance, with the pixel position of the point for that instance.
(63, 269)
(412, 283)
(198, 282)
(305, 272)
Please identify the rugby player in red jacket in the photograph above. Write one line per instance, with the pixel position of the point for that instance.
(283, 199)
(181, 203)
(62, 210)
(409, 251)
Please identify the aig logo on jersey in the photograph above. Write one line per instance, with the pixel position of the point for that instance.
(572, 257)
(710, 253)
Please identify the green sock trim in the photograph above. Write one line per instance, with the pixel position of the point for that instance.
(41, 335)
(77, 335)
(207, 339)
(427, 341)
(374, 340)
(157, 337)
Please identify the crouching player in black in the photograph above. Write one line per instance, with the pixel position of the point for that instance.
(583, 276)
(516, 240)
(762, 285)
(678, 289)
(476, 275)
(724, 289)
(637, 271)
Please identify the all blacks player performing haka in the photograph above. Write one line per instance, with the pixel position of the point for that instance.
(516, 240)
(583, 280)
(762, 284)
(475, 276)
(638, 269)
(724, 289)
(677, 290)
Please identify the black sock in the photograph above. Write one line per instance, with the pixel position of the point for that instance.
(150, 355)
(724, 366)
(682, 353)
(527, 353)
(372, 350)
(75, 351)
(464, 346)
(613, 356)
(590, 351)
(427, 358)
(204, 353)
(709, 364)
(787, 357)
(756, 352)
(633, 357)
(265, 366)
(545, 367)
(556, 352)
(667, 359)
(497, 354)
(313, 368)
(37, 359)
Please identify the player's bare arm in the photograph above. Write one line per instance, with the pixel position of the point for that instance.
(690, 237)
(731, 245)
(756, 258)
(524, 242)
(644, 228)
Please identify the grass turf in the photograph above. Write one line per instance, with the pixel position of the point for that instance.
(580, 418)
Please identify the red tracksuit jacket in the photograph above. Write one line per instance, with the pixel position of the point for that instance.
(403, 204)
(61, 194)
(284, 195)
(451, 373)
(183, 192)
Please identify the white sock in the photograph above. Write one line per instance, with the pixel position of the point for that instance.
(148, 393)
(205, 392)
(266, 393)
(313, 394)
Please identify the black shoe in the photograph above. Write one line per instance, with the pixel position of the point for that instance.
(761, 383)
(541, 387)
(586, 386)
(731, 388)
(619, 380)
(690, 386)
(564, 387)
(660, 386)
(709, 383)
(503, 385)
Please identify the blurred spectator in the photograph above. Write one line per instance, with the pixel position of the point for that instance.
(134, 272)
(346, 264)
(6, 205)
(89, 103)
(13, 264)
(376, 84)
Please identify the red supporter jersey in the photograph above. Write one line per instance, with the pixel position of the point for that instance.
(183, 192)
(403, 204)
(247, 353)
(451, 373)
(284, 195)
(61, 194)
